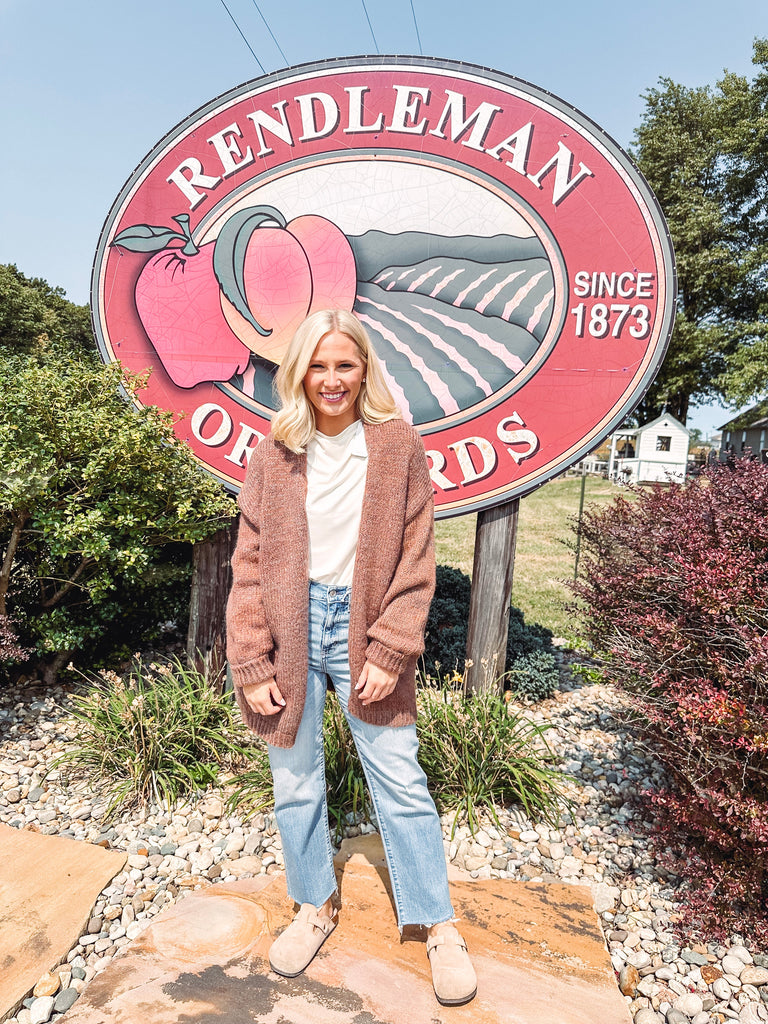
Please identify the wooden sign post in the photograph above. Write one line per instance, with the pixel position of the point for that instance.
(211, 582)
(492, 572)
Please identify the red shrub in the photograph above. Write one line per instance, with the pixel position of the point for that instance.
(676, 588)
(10, 649)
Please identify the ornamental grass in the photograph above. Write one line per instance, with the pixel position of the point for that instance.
(161, 734)
(478, 755)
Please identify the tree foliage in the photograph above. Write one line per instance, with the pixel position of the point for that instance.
(98, 500)
(35, 318)
(676, 588)
(703, 151)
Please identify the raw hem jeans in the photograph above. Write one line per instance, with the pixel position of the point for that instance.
(408, 822)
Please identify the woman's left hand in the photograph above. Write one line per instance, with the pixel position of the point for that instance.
(375, 683)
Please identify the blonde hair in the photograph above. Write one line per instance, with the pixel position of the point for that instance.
(294, 423)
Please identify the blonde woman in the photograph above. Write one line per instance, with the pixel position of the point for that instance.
(333, 577)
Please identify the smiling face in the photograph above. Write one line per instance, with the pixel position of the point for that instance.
(333, 381)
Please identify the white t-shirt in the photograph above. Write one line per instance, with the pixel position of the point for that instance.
(336, 469)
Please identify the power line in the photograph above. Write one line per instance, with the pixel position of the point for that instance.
(223, 4)
(370, 26)
(415, 25)
(270, 31)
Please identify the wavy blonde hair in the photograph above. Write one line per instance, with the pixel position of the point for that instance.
(294, 423)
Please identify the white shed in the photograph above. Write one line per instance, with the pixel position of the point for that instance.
(655, 453)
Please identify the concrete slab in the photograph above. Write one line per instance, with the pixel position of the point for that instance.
(538, 951)
(48, 886)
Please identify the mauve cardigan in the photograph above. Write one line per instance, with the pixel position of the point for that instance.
(392, 585)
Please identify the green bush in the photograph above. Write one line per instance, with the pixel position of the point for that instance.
(98, 505)
(534, 676)
(525, 637)
(445, 639)
(161, 734)
(36, 318)
(445, 645)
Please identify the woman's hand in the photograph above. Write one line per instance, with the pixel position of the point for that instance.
(264, 698)
(375, 683)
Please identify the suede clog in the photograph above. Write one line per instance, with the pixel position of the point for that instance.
(453, 976)
(295, 948)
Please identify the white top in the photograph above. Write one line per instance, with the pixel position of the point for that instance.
(336, 469)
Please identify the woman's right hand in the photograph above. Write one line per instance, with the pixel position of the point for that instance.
(264, 698)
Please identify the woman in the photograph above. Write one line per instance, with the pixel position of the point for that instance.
(333, 576)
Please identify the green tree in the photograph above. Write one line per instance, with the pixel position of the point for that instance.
(36, 318)
(92, 493)
(700, 150)
(746, 164)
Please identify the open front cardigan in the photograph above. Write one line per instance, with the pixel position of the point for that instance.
(392, 586)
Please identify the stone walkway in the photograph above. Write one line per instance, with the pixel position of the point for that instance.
(538, 952)
(603, 844)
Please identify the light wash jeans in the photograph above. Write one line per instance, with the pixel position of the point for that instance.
(408, 822)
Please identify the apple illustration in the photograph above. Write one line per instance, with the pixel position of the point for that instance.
(274, 273)
(177, 299)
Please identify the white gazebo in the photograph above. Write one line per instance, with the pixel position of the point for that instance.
(655, 453)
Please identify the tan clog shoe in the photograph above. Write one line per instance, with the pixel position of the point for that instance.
(294, 949)
(453, 976)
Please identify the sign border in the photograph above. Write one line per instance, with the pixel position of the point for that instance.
(621, 160)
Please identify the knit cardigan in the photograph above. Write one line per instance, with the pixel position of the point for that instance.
(392, 585)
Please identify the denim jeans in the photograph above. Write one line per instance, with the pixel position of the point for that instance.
(408, 822)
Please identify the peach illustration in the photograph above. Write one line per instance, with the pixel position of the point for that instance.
(273, 273)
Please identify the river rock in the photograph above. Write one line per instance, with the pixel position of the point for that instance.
(752, 1013)
(675, 1016)
(754, 976)
(721, 988)
(645, 1015)
(733, 965)
(691, 957)
(245, 866)
(629, 979)
(741, 953)
(710, 973)
(65, 999)
(605, 896)
(41, 1009)
(690, 1004)
(48, 985)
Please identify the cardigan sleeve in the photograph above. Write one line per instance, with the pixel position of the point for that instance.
(249, 640)
(398, 632)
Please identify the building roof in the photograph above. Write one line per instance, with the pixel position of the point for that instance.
(664, 416)
(751, 419)
(633, 431)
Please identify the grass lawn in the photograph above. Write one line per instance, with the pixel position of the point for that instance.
(544, 560)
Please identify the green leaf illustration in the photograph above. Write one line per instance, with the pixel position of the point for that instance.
(148, 238)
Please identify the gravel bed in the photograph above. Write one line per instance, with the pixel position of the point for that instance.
(603, 842)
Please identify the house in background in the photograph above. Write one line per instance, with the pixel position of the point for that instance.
(655, 453)
(748, 430)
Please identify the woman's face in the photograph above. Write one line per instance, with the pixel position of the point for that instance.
(333, 381)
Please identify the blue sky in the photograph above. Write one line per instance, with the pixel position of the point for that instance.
(88, 89)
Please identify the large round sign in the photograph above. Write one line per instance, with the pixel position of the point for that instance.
(509, 262)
